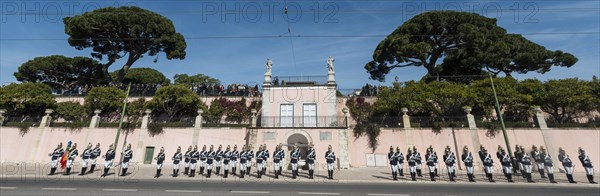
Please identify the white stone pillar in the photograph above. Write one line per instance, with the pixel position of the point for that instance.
(472, 130)
(254, 118)
(46, 119)
(470, 118)
(95, 119)
(540, 118)
(330, 72)
(197, 127)
(405, 118)
(2, 111)
(146, 119)
(343, 143)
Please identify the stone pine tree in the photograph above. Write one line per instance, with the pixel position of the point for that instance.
(460, 43)
(61, 72)
(124, 32)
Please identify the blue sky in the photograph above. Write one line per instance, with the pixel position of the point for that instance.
(221, 44)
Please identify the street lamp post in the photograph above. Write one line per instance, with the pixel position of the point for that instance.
(499, 113)
(121, 119)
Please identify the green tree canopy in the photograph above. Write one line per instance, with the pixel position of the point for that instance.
(108, 99)
(515, 102)
(460, 43)
(566, 99)
(61, 71)
(70, 111)
(175, 101)
(26, 99)
(143, 76)
(197, 79)
(124, 32)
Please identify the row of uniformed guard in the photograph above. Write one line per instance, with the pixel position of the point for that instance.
(89, 157)
(521, 160)
(205, 158)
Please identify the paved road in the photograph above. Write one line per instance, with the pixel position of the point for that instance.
(115, 186)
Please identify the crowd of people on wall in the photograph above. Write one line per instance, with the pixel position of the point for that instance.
(150, 89)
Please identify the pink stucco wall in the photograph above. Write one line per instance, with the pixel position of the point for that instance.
(570, 140)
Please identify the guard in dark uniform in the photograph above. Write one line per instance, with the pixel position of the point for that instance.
(54, 156)
(311, 155)
(85, 157)
(176, 159)
(400, 157)
(210, 158)
(488, 163)
(259, 161)
(527, 167)
(127, 156)
(282, 158)
(519, 156)
(539, 160)
(243, 160)
(393, 158)
(187, 158)
(226, 159)
(482, 157)
(277, 159)
(250, 155)
(109, 157)
(450, 160)
(412, 164)
(235, 154)
(417, 160)
(506, 163)
(330, 159)
(266, 156)
(203, 156)
(73, 153)
(548, 163)
(467, 159)
(160, 158)
(431, 158)
(194, 157)
(586, 162)
(567, 164)
(95, 154)
(218, 160)
(294, 158)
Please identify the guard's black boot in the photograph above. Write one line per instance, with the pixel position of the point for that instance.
(105, 172)
(413, 176)
(293, 174)
(226, 172)
(258, 173)
(529, 178)
(451, 177)
(158, 173)
(276, 174)
(509, 176)
(419, 173)
(185, 170)
(551, 178)
(248, 170)
(542, 173)
(591, 179)
(436, 173)
(401, 172)
(279, 170)
(192, 173)
(491, 178)
(233, 171)
(570, 178)
(67, 172)
(471, 178)
(242, 174)
(201, 170)
(394, 176)
(83, 171)
(432, 176)
(218, 171)
(122, 172)
(52, 170)
(331, 174)
(92, 169)
(174, 174)
(208, 171)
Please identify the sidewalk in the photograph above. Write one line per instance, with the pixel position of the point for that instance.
(136, 171)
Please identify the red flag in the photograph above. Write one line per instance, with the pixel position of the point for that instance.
(65, 157)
